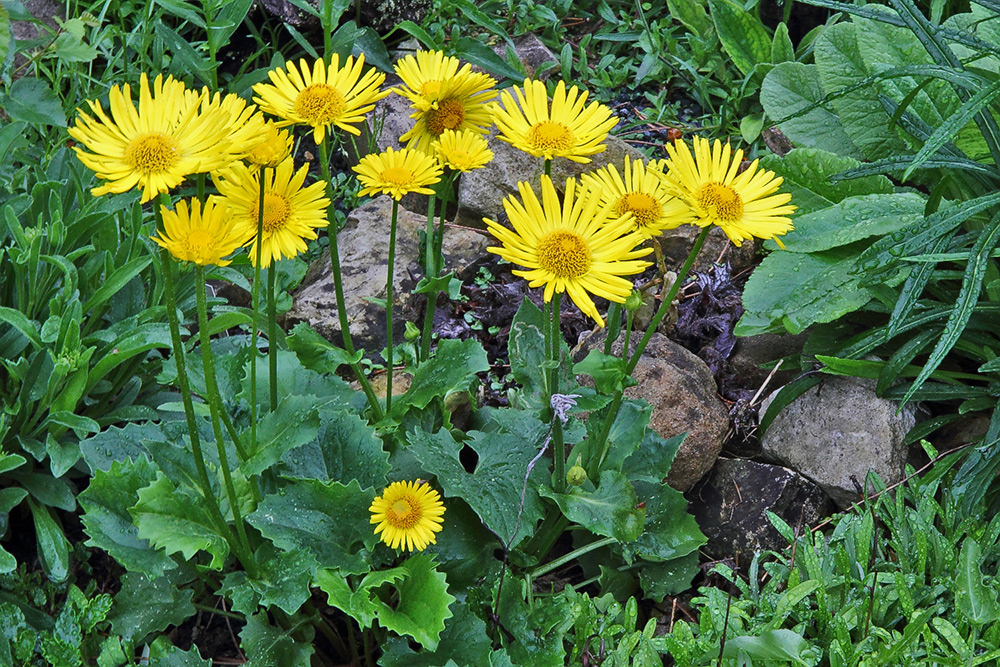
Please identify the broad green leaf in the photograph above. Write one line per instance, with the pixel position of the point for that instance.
(465, 549)
(692, 14)
(854, 219)
(651, 461)
(452, 368)
(782, 49)
(268, 646)
(283, 581)
(293, 424)
(16, 319)
(464, 641)
(345, 448)
(108, 523)
(624, 437)
(10, 497)
(658, 580)
(742, 34)
(494, 488)
(787, 92)
(476, 52)
(46, 489)
(115, 282)
(670, 532)
(421, 608)
(328, 520)
(863, 117)
(807, 176)
(175, 519)
(317, 353)
(5, 33)
(611, 510)
(976, 600)
(164, 654)
(783, 645)
(538, 630)
(53, 547)
(128, 443)
(32, 101)
(526, 348)
(794, 290)
(146, 605)
(296, 380)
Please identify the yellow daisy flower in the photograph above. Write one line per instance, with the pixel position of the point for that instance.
(642, 193)
(272, 147)
(573, 129)
(322, 96)
(579, 246)
(397, 173)
(408, 514)
(155, 146)
(443, 98)
(292, 213)
(200, 235)
(462, 151)
(242, 121)
(744, 204)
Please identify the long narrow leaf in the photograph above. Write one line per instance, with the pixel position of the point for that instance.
(972, 285)
(912, 289)
(899, 163)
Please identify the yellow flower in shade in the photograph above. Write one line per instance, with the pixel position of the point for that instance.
(243, 124)
(200, 235)
(572, 129)
(322, 96)
(641, 192)
(408, 514)
(397, 173)
(272, 147)
(443, 97)
(579, 246)
(462, 151)
(292, 213)
(155, 146)
(744, 204)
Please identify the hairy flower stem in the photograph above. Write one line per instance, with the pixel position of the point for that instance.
(244, 553)
(430, 273)
(388, 304)
(599, 450)
(558, 446)
(170, 295)
(338, 284)
(256, 312)
(272, 334)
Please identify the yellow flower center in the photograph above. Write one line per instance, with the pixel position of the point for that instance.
(458, 159)
(199, 243)
(404, 513)
(277, 210)
(720, 201)
(645, 208)
(551, 136)
(271, 151)
(400, 176)
(152, 152)
(319, 104)
(449, 115)
(564, 253)
(430, 88)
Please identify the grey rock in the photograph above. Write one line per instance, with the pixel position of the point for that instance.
(532, 53)
(384, 15)
(682, 392)
(752, 352)
(731, 504)
(46, 11)
(676, 244)
(837, 429)
(364, 256)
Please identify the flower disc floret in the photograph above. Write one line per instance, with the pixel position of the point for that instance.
(321, 96)
(272, 147)
(153, 146)
(203, 235)
(571, 128)
(640, 191)
(292, 213)
(743, 204)
(397, 173)
(578, 245)
(408, 515)
(460, 103)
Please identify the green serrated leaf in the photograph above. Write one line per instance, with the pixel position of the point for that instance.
(164, 654)
(328, 520)
(293, 424)
(452, 368)
(108, 523)
(742, 34)
(670, 531)
(317, 353)
(611, 510)
(464, 643)
(144, 606)
(268, 646)
(808, 172)
(32, 101)
(345, 448)
(423, 603)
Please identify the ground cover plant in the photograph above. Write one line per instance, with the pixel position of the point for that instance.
(176, 457)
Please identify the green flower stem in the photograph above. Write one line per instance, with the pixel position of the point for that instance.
(215, 408)
(614, 324)
(546, 535)
(430, 272)
(558, 446)
(667, 300)
(388, 304)
(338, 285)
(272, 333)
(599, 450)
(548, 168)
(628, 334)
(170, 296)
(256, 312)
(572, 555)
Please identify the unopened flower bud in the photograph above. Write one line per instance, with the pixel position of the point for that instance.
(576, 476)
(412, 333)
(634, 301)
